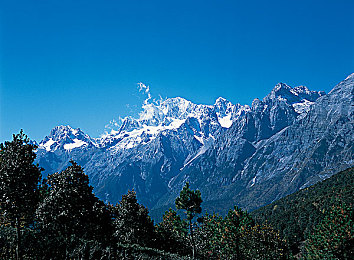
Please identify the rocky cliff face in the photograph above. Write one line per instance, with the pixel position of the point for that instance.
(271, 152)
(234, 154)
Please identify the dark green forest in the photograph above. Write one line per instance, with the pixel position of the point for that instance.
(61, 218)
(299, 215)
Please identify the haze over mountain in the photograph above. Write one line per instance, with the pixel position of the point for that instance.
(235, 154)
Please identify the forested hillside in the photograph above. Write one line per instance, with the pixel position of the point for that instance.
(297, 215)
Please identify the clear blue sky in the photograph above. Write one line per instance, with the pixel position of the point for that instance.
(79, 62)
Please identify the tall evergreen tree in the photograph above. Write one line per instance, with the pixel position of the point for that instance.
(133, 224)
(209, 237)
(235, 223)
(172, 232)
(19, 179)
(190, 201)
(72, 220)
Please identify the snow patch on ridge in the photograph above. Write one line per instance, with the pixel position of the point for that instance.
(200, 139)
(48, 144)
(226, 121)
(75, 144)
(208, 142)
(303, 107)
(146, 133)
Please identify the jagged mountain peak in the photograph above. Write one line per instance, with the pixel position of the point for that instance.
(222, 105)
(285, 92)
(256, 102)
(61, 131)
(301, 89)
(281, 91)
(281, 86)
(227, 112)
(221, 100)
(65, 137)
(221, 145)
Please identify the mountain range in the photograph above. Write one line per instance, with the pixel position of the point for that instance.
(234, 154)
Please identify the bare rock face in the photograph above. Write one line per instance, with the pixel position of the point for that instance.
(249, 156)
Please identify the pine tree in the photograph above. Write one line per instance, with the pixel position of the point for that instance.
(72, 220)
(236, 222)
(132, 223)
(190, 201)
(172, 232)
(208, 235)
(19, 179)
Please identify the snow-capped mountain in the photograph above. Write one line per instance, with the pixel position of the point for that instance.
(67, 138)
(229, 151)
(169, 115)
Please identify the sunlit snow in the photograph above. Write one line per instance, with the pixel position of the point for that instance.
(208, 142)
(75, 144)
(226, 121)
(48, 144)
(200, 139)
(302, 107)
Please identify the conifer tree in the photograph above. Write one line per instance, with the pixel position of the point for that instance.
(190, 201)
(172, 231)
(133, 224)
(209, 236)
(235, 223)
(19, 179)
(71, 218)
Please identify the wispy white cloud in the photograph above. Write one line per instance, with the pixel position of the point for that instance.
(145, 89)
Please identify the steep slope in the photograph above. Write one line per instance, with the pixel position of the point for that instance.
(270, 153)
(143, 153)
(63, 144)
(235, 154)
(297, 214)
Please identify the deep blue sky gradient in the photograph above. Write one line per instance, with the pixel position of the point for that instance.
(79, 62)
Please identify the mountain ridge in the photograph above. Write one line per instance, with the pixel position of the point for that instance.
(230, 151)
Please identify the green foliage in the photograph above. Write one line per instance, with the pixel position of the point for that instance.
(333, 237)
(172, 233)
(190, 201)
(262, 242)
(7, 240)
(209, 236)
(19, 179)
(71, 219)
(132, 223)
(296, 215)
(236, 222)
(238, 237)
